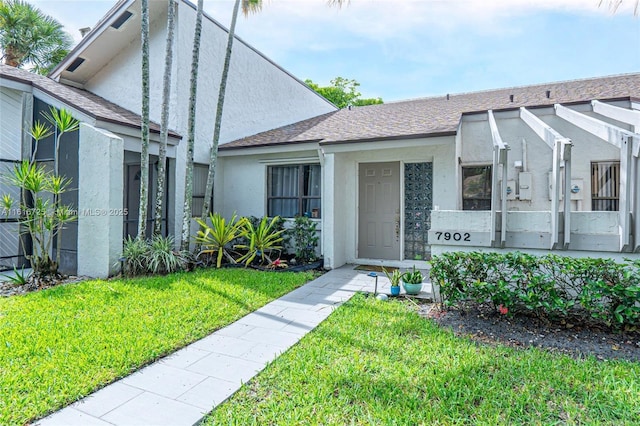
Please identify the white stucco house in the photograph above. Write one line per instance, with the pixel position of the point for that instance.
(100, 83)
(536, 168)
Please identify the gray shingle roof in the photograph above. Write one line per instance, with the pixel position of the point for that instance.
(82, 100)
(436, 115)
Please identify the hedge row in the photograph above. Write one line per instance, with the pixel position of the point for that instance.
(548, 286)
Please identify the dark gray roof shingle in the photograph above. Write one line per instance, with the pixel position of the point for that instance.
(82, 100)
(436, 115)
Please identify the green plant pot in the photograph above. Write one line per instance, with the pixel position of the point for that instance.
(411, 289)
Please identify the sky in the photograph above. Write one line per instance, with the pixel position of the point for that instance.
(403, 49)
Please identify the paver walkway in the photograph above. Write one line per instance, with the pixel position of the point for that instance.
(183, 387)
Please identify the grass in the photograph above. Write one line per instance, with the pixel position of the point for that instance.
(59, 345)
(380, 363)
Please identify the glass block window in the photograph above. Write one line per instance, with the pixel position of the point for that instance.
(418, 202)
(294, 190)
(476, 188)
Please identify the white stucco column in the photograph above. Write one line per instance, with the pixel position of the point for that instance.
(328, 215)
(100, 202)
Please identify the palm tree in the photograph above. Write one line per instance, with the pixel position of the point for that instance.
(144, 154)
(30, 37)
(188, 185)
(615, 4)
(248, 6)
(164, 120)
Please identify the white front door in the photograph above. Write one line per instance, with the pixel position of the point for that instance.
(379, 211)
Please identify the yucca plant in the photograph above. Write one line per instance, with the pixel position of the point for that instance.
(216, 238)
(161, 257)
(42, 214)
(262, 240)
(134, 255)
(42, 218)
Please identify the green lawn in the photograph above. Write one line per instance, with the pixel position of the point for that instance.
(380, 363)
(59, 345)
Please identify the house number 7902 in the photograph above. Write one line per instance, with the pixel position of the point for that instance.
(455, 236)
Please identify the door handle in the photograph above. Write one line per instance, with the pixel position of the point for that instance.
(397, 227)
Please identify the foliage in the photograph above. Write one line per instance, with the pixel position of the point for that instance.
(413, 277)
(262, 240)
(382, 364)
(161, 257)
(394, 277)
(343, 92)
(155, 256)
(305, 239)
(217, 238)
(19, 277)
(42, 214)
(134, 255)
(61, 344)
(28, 37)
(548, 286)
(42, 219)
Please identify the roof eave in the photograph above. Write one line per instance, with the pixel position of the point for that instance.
(443, 133)
(100, 28)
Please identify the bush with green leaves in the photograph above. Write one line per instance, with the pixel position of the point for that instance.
(548, 286)
(262, 240)
(216, 239)
(304, 234)
(155, 256)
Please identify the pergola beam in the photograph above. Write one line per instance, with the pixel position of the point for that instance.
(624, 140)
(498, 193)
(631, 117)
(561, 147)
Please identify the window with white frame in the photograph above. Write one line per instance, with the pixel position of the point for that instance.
(605, 186)
(294, 190)
(200, 172)
(476, 188)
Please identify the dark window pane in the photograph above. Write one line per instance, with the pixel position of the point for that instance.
(292, 188)
(605, 186)
(311, 207)
(284, 207)
(476, 188)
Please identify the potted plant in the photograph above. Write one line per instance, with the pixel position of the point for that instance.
(412, 281)
(394, 278)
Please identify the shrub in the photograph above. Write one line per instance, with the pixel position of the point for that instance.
(155, 256)
(161, 258)
(217, 238)
(548, 286)
(134, 254)
(305, 239)
(262, 240)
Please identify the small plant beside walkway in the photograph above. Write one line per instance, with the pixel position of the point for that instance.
(61, 344)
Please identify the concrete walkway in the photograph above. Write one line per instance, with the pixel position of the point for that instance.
(183, 387)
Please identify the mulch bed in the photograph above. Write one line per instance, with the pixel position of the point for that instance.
(484, 325)
(10, 289)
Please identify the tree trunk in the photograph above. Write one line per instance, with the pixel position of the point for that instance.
(144, 154)
(188, 183)
(164, 121)
(213, 157)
